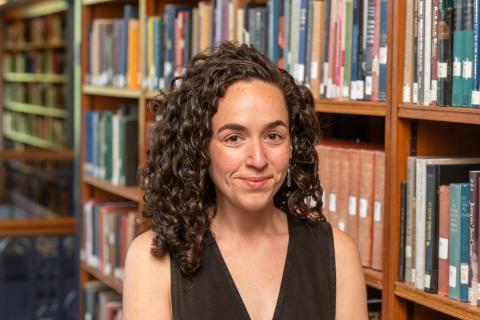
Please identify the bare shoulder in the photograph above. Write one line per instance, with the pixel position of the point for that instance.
(146, 286)
(351, 288)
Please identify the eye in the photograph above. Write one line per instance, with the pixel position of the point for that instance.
(233, 139)
(274, 136)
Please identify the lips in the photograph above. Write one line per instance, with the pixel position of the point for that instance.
(255, 182)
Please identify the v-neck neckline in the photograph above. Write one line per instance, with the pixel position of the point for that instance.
(285, 274)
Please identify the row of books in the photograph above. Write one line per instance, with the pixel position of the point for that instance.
(109, 227)
(111, 141)
(37, 277)
(39, 30)
(42, 190)
(39, 94)
(49, 62)
(353, 180)
(442, 57)
(46, 128)
(348, 61)
(439, 244)
(101, 302)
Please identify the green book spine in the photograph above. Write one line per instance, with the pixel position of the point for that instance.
(464, 239)
(457, 54)
(454, 247)
(467, 63)
(107, 145)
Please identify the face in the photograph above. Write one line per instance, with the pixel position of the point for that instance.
(250, 146)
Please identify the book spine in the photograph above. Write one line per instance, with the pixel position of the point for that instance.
(427, 53)
(473, 239)
(354, 95)
(468, 51)
(378, 211)
(420, 224)
(326, 47)
(347, 69)
(431, 231)
(464, 240)
(434, 65)
(365, 224)
(415, 62)
(403, 227)
(444, 67)
(455, 243)
(410, 222)
(443, 238)
(353, 194)
(407, 66)
(457, 82)
(476, 55)
(382, 77)
(421, 50)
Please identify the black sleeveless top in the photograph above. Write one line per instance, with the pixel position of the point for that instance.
(307, 290)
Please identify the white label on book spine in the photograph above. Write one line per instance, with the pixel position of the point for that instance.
(433, 92)
(467, 69)
(457, 68)
(464, 273)
(415, 93)
(470, 295)
(413, 275)
(363, 208)
(352, 206)
(408, 251)
(383, 55)
(360, 94)
(332, 202)
(375, 65)
(325, 73)
(368, 85)
(377, 211)
(476, 97)
(111, 239)
(443, 248)
(346, 92)
(341, 225)
(300, 72)
(427, 280)
(452, 276)
(314, 70)
(442, 70)
(406, 94)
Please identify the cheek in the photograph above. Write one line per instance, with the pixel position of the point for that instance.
(222, 162)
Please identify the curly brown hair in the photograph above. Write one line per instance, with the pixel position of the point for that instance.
(178, 189)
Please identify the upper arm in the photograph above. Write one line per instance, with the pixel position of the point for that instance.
(146, 286)
(351, 289)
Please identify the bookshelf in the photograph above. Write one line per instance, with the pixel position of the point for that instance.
(402, 129)
(36, 110)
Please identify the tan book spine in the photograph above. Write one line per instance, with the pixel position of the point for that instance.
(323, 173)
(333, 185)
(342, 196)
(316, 48)
(353, 193)
(378, 211)
(365, 213)
(443, 238)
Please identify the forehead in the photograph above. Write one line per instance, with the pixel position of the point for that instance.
(250, 102)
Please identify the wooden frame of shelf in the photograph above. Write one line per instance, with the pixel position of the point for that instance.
(111, 91)
(34, 9)
(34, 46)
(130, 193)
(445, 114)
(114, 283)
(34, 77)
(66, 154)
(36, 109)
(31, 227)
(373, 278)
(31, 140)
(366, 108)
(460, 310)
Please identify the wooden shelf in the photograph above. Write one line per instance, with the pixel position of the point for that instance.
(36, 109)
(65, 154)
(111, 92)
(130, 193)
(34, 46)
(31, 140)
(92, 2)
(114, 283)
(34, 77)
(365, 108)
(152, 94)
(30, 227)
(446, 114)
(373, 278)
(443, 304)
(34, 9)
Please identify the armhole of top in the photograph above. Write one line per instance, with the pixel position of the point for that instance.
(333, 271)
(174, 290)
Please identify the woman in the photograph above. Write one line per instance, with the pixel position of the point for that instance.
(232, 191)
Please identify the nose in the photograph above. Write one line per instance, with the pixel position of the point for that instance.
(257, 156)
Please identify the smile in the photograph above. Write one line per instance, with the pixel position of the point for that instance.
(255, 182)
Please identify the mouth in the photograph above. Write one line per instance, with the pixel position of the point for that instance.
(255, 182)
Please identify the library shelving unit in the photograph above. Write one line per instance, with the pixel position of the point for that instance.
(401, 129)
(422, 131)
(49, 20)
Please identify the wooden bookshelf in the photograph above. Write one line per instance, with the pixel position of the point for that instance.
(457, 309)
(34, 77)
(34, 46)
(365, 108)
(31, 227)
(445, 114)
(111, 92)
(373, 278)
(31, 140)
(112, 282)
(66, 154)
(34, 109)
(130, 193)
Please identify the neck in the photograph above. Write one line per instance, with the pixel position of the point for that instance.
(233, 221)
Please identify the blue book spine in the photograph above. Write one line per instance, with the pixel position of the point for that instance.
(156, 51)
(457, 82)
(355, 40)
(382, 82)
(273, 7)
(286, 49)
(88, 141)
(455, 240)
(302, 53)
(476, 56)
(464, 239)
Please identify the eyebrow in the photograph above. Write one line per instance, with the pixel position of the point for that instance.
(239, 127)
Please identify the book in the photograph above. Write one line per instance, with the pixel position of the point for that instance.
(403, 227)
(443, 239)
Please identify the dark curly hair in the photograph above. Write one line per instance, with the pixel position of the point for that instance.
(175, 178)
